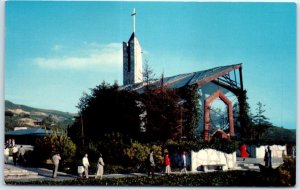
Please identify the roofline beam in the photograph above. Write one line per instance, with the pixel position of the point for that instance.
(211, 78)
(241, 78)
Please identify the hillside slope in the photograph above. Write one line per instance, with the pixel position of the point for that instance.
(280, 135)
(22, 115)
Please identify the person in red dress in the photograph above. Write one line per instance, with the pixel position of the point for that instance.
(244, 153)
(167, 164)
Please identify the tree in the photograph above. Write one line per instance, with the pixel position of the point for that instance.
(48, 121)
(259, 118)
(55, 143)
(261, 123)
(246, 125)
(148, 75)
(190, 110)
(105, 110)
(163, 114)
(11, 122)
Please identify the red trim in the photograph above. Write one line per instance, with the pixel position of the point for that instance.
(207, 102)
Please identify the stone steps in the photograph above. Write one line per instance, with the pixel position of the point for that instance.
(248, 166)
(17, 173)
(253, 166)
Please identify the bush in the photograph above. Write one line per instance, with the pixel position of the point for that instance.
(117, 169)
(137, 153)
(220, 178)
(221, 145)
(46, 146)
(287, 171)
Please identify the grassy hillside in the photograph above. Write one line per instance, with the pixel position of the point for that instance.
(22, 115)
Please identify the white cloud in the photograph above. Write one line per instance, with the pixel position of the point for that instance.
(56, 47)
(88, 56)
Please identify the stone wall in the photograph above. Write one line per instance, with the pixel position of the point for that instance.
(211, 157)
(277, 151)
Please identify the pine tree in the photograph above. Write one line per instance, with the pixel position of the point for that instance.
(261, 123)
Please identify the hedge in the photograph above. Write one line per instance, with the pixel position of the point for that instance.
(221, 145)
(218, 178)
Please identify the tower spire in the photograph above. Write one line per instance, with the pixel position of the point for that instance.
(132, 58)
(133, 17)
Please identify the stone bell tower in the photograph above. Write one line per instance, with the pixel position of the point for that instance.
(132, 58)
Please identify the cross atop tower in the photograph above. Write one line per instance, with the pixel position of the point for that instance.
(132, 58)
(133, 17)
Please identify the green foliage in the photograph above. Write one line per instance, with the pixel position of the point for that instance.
(46, 146)
(105, 110)
(148, 75)
(48, 121)
(137, 153)
(287, 171)
(221, 145)
(191, 113)
(251, 127)
(245, 125)
(259, 118)
(163, 115)
(11, 123)
(260, 122)
(59, 119)
(279, 135)
(218, 179)
(111, 146)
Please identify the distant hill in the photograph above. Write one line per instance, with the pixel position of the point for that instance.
(280, 134)
(22, 115)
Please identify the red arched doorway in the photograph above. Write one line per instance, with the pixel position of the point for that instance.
(207, 102)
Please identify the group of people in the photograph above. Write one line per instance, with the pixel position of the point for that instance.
(9, 143)
(100, 166)
(17, 153)
(86, 164)
(267, 157)
(167, 163)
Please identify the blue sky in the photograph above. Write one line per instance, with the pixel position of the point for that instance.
(55, 51)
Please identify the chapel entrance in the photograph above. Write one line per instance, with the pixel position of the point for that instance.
(207, 104)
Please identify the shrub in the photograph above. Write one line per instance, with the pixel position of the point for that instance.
(221, 145)
(287, 171)
(220, 178)
(137, 153)
(46, 146)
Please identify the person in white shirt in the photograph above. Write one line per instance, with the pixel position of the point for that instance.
(55, 160)
(6, 155)
(86, 164)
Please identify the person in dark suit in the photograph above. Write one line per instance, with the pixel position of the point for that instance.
(269, 157)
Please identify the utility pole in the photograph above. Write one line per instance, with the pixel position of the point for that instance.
(82, 135)
(181, 120)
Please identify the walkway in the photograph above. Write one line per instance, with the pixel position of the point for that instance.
(33, 174)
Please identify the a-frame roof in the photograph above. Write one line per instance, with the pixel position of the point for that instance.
(200, 78)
